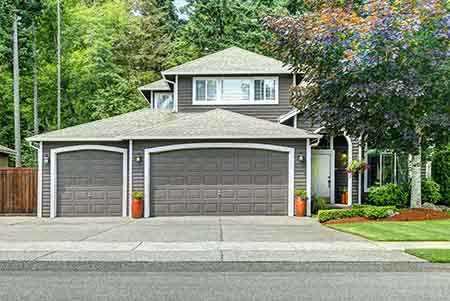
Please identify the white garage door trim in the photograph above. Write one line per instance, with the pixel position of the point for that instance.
(53, 171)
(160, 149)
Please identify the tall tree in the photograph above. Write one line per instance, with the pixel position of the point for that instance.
(371, 65)
(16, 87)
(58, 64)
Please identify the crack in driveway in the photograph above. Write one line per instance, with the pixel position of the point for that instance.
(106, 230)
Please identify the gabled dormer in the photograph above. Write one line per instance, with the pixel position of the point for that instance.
(234, 79)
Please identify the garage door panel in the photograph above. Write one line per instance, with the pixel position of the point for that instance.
(89, 183)
(219, 181)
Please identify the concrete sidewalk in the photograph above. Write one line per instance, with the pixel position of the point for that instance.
(217, 251)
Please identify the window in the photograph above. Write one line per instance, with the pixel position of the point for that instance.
(264, 89)
(163, 100)
(384, 168)
(235, 91)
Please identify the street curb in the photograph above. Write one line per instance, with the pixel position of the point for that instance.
(285, 266)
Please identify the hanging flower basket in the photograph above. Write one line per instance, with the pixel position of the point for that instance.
(356, 167)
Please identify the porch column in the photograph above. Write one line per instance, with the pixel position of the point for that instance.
(349, 179)
(308, 177)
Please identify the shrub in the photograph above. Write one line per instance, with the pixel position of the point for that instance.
(371, 212)
(441, 171)
(388, 195)
(318, 203)
(430, 192)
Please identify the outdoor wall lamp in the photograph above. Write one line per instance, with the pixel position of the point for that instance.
(301, 157)
(138, 158)
(45, 158)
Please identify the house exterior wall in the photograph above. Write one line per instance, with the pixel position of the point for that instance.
(267, 112)
(138, 181)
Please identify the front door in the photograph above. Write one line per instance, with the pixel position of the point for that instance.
(322, 167)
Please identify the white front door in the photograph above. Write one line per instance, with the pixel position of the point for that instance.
(322, 174)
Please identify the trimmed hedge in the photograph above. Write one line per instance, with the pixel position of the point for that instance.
(371, 212)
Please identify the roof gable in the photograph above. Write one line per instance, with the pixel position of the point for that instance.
(220, 124)
(233, 60)
(159, 85)
(148, 124)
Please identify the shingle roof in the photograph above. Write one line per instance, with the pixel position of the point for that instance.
(159, 85)
(108, 129)
(148, 124)
(232, 60)
(220, 124)
(5, 150)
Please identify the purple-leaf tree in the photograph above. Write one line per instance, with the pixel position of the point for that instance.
(373, 68)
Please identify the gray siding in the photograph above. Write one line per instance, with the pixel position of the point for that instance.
(47, 146)
(267, 112)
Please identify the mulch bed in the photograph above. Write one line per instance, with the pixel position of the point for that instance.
(417, 215)
(402, 216)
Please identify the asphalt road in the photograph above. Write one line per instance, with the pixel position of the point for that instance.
(305, 285)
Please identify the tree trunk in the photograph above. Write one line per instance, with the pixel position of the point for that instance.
(17, 139)
(35, 85)
(58, 55)
(416, 180)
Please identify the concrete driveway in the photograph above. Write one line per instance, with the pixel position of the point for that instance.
(170, 229)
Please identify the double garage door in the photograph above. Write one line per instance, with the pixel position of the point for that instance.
(219, 182)
(182, 182)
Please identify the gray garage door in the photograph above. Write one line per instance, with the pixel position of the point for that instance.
(89, 183)
(219, 182)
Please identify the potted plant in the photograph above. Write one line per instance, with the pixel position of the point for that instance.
(344, 196)
(300, 202)
(137, 206)
(356, 167)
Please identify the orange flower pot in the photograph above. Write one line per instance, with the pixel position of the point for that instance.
(344, 198)
(300, 206)
(137, 208)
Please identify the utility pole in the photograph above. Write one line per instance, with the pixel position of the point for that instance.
(17, 139)
(58, 54)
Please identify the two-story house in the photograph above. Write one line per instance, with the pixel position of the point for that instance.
(219, 138)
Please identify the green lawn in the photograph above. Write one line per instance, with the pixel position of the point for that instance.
(432, 255)
(436, 230)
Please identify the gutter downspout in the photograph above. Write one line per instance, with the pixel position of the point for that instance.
(39, 185)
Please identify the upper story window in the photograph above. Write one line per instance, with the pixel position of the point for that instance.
(163, 100)
(235, 91)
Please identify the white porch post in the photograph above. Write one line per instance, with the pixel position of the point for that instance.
(359, 174)
(39, 187)
(130, 176)
(308, 177)
(349, 179)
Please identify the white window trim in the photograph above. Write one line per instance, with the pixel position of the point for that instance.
(219, 101)
(161, 149)
(53, 171)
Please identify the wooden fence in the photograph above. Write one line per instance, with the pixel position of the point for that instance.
(18, 190)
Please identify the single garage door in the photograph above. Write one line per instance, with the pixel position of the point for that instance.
(89, 183)
(219, 182)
